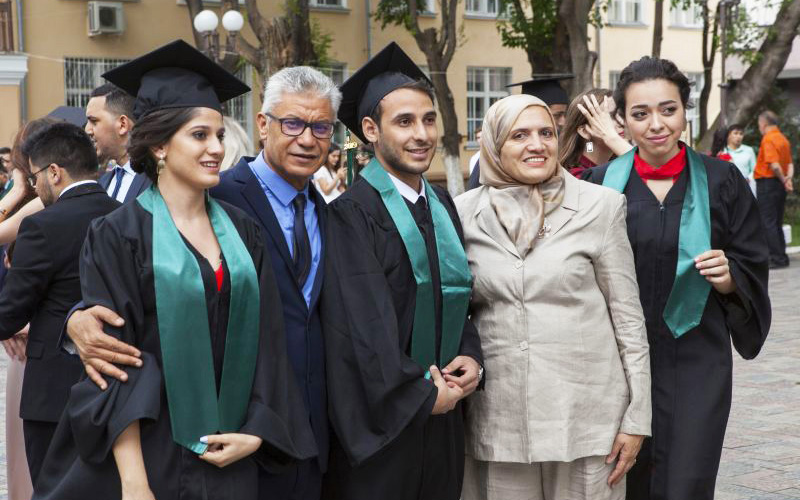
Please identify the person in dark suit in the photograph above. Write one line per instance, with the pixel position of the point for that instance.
(274, 188)
(109, 122)
(43, 283)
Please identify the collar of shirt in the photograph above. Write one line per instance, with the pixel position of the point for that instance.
(128, 169)
(407, 191)
(76, 184)
(277, 185)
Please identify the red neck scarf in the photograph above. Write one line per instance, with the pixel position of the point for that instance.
(670, 170)
(583, 165)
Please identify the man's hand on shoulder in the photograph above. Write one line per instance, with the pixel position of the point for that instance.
(99, 351)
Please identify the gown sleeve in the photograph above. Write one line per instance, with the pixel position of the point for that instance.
(375, 390)
(748, 313)
(276, 412)
(109, 278)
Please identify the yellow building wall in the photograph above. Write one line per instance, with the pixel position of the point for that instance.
(150, 23)
(9, 96)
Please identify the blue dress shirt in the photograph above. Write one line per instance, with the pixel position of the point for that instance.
(280, 195)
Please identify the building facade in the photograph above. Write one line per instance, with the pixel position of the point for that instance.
(58, 60)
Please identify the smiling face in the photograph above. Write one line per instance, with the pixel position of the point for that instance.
(296, 158)
(655, 118)
(405, 141)
(530, 153)
(194, 153)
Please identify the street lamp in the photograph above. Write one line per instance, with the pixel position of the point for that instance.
(206, 23)
(724, 6)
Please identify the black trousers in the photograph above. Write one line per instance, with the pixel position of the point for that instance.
(771, 198)
(301, 482)
(37, 439)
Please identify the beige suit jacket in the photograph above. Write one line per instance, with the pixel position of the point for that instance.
(562, 330)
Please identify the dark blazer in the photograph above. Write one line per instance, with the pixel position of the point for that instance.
(474, 177)
(41, 287)
(240, 187)
(140, 183)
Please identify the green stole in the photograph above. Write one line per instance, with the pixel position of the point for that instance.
(689, 294)
(456, 278)
(188, 365)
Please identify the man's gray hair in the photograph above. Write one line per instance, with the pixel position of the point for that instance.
(299, 80)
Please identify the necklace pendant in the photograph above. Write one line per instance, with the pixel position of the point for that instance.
(545, 230)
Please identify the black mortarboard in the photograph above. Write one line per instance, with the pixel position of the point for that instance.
(546, 88)
(175, 76)
(389, 69)
(70, 114)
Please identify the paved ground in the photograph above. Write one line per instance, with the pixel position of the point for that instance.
(761, 459)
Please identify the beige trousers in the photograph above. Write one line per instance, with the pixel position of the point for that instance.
(582, 479)
(19, 479)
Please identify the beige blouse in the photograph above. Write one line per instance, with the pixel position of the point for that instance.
(562, 330)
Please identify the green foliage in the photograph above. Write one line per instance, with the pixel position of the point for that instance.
(397, 12)
(530, 25)
(321, 40)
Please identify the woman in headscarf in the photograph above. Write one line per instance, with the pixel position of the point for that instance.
(567, 399)
(702, 266)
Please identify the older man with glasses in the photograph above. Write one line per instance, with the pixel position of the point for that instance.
(295, 126)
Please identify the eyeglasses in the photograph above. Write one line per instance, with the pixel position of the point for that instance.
(32, 177)
(294, 127)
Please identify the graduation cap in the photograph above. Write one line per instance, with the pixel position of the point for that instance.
(175, 76)
(546, 88)
(388, 70)
(70, 114)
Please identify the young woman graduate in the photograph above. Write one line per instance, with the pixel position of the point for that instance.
(214, 398)
(701, 263)
(398, 304)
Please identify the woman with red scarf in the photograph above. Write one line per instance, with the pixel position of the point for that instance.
(702, 267)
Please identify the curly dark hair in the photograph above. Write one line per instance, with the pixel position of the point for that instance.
(153, 130)
(651, 68)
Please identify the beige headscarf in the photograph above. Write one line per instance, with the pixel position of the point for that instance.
(520, 207)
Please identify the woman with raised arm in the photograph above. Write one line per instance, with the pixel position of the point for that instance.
(702, 267)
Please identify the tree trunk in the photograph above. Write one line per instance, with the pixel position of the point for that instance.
(658, 27)
(439, 47)
(709, 55)
(746, 97)
(750, 91)
(574, 17)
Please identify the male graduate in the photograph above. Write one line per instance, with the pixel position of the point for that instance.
(546, 88)
(400, 351)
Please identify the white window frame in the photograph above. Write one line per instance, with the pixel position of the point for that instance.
(619, 15)
(481, 8)
(693, 114)
(681, 17)
(82, 75)
(337, 71)
(327, 4)
(763, 12)
(241, 108)
(488, 96)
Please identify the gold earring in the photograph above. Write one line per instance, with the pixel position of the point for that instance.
(160, 165)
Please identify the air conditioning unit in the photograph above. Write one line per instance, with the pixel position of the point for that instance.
(105, 18)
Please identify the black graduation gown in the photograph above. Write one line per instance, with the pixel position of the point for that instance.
(116, 272)
(692, 375)
(388, 444)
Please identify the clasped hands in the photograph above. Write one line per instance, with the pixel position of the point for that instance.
(451, 387)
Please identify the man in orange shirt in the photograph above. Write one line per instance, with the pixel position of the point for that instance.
(773, 174)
